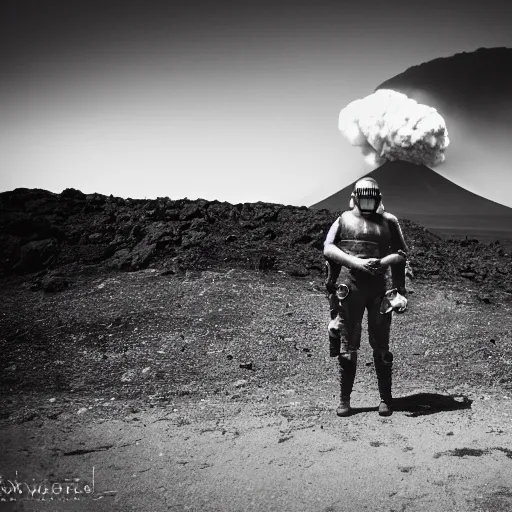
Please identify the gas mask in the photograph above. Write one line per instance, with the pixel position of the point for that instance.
(367, 196)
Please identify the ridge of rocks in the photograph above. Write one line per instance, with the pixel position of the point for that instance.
(41, 232)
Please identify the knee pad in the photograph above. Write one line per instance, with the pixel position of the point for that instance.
(383, 357)
(334, 328)
(347, 357)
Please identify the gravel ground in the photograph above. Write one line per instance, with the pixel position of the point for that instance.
(215, 389)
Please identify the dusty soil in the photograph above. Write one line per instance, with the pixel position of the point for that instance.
(213, 390)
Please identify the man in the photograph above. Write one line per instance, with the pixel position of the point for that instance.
(360, 247)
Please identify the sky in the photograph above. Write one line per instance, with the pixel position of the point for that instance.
(233, 101)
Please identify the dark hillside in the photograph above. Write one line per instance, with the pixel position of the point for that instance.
(49, 236)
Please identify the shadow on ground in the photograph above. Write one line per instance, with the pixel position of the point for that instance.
(422, 404)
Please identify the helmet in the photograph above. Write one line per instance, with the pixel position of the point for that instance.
(366, 195)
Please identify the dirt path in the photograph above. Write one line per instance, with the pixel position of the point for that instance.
(225, 456)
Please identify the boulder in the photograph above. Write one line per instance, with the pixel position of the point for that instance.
(36, 255)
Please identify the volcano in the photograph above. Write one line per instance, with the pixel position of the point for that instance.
(418, 193)
(471, 90)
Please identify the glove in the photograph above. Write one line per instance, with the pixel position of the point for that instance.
(393, 301)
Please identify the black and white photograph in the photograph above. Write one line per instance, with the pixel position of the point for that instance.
(255, 256)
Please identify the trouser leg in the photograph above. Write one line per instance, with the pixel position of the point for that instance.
(378, 330)
(347, 368)
(345, 325)
(384, 369)
(345, 337)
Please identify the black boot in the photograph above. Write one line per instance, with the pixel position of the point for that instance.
(383, 367)
(348, 366)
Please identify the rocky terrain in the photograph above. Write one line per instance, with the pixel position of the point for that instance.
(49, 236)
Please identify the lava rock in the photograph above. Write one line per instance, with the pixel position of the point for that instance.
(36, 255)
(54, 282)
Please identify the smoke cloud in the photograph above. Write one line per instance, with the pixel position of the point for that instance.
(388, 125)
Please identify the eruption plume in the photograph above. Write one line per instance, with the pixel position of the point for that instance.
(388, 125)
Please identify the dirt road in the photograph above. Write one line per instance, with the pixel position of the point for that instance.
(221, 456)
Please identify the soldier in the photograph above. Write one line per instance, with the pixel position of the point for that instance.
(360, 247)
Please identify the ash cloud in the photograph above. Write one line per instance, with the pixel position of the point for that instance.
(388, 125)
